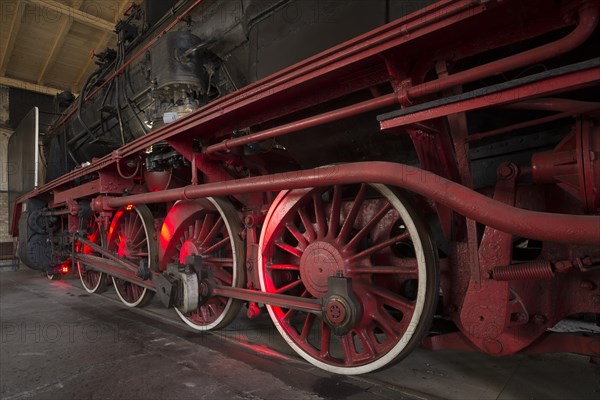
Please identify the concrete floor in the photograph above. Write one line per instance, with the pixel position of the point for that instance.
(59, 342)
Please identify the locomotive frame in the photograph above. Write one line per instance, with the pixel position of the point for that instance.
(309, 243)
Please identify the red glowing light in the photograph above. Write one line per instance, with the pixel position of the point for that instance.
(129, 207)
(64, 269)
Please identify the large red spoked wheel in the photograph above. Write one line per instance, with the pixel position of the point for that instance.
(208, 228)
(132, 236)
(92, 281)
(365, 232)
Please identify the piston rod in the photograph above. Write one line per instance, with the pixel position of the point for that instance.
(112, 268)
(280, 300)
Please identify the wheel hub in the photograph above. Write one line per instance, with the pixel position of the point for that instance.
(335, 310)
(188, 248)
(319, 261)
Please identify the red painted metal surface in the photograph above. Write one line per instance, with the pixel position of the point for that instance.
(573, 164)
(586, 24)
(546, 208)
(550, 86)
(320, 119)
(533, 224)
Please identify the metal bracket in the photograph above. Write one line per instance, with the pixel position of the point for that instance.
(143, 271)
(166, 288)
(341, 309)
(204, 278)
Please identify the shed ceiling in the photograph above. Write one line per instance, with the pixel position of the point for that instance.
(46, 45)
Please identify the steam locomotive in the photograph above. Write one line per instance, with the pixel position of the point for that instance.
(375, 175)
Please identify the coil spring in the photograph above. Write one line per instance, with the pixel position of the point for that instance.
(525, 271)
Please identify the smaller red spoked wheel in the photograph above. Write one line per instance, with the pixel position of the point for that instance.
(132, 295)
(210, 229)
(370, 234)
(131, 236)
(92, 281)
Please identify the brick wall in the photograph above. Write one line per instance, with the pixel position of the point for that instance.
(4, 135)
(4, 223)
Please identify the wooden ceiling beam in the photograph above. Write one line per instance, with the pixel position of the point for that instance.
(32, 87)
(78, 15)
(55, 49)
(15, 24)
(100, 46)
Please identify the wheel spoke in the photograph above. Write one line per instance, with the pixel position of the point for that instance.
(308, 226)
(204, 312)
(348, 348)
(222, 300)
(290, 249)
(139, 244)
(137, 233)
(334, 213)
(289, 314)
(217, 246)
(386, 323)
(128, 224)
(378, 247)
(351, 217)
(289, 286)
(308, 323)
(302, 241)
(197, 228)
(325, 340)
(368, 345)
(213, 232)
(392, 299)
(223, 276)
(214, 308)
(129, 291)
(284, 267)
(206, 225)
(369, 226)
(319, 215)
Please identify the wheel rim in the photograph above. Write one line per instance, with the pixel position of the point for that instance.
(209, 229)
(370, 234)
(131, 237)
(92, 281)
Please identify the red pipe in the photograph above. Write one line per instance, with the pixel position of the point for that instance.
(306, 123)
(588, 20)
(513, 128)
(562, 228)
(587, 24)
(553, 104)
